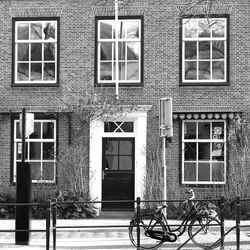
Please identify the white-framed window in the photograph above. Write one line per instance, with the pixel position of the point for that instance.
(204, 50)
(36, 51)
(203, 151)
(40, 150)
(129, 49)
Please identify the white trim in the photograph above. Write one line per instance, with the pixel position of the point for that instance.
(139, 118)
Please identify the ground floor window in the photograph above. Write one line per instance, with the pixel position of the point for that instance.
(203, 151)
(40, 150)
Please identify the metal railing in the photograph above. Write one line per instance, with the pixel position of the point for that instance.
(52, 207)
(47, 219)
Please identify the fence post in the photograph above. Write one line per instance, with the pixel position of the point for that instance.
(238, 208)
(47, 227)
(54, 214)
(138, 216)
(222, 220)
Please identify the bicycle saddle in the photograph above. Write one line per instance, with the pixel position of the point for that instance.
(159, 208)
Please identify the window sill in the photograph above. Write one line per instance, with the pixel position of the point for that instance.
(34, 85)
(203, 84)
(110, 84)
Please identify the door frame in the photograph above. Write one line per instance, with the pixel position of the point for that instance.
(139, 117)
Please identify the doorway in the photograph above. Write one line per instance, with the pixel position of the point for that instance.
(118, 173)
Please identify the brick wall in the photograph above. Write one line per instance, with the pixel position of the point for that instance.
(161, 64)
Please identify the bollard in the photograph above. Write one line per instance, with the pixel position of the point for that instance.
(222, 220)
(237, 211)
(47, 228)
(138, 216)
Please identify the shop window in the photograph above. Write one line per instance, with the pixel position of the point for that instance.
(203, 152)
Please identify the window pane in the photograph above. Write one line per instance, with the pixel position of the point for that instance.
(218, 50)
(190, 151)
(133, 71)
(48, 150)
(121, 51)
(190, 50)
(35, 150)
(18, 135)
(133, 50)
(48, 171)
(204, 151)
(127, 127)
(111, 147)
(218, 71)
(204, 172)
(190, 130)
(105, 71)
(37, 131)
(111, 162)
(22, 71)
(189, 171)
(190, 28)
(203, 130)
(121, 71)
(36, 71)
(36, 52)
(125, 148)
(23, 52)
(35, 169)
(48, 130)
(132, 28)
(203, 29)
(204, 70)
(36, 31)
(49, 71)
(218, 130)
(204, 50)
(49, 51)
(106, 30)
(218, 28)
(218, 151)
(218, 171)
(22, 31)
(49, 31)
(106, 51)
(190, 70)
(125, 163)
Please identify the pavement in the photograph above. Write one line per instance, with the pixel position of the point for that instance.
(113, 236)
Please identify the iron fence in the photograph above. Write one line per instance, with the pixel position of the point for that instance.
(51, 218)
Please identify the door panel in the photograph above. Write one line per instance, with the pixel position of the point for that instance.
(118, 172)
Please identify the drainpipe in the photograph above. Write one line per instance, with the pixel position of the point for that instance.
(116, 52)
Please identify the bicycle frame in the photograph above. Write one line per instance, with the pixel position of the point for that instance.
(184, 224)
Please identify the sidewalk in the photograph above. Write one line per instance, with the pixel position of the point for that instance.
(102, 238)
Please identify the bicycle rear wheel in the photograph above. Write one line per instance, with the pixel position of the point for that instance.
(208, 236)
(147, 222)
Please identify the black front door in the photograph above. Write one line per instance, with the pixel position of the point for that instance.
(118, 173)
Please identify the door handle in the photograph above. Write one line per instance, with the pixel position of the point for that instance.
(103, 174)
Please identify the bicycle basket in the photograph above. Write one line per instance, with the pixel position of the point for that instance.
(208, 209)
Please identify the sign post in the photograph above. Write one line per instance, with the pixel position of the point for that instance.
(23, 184)
(165, 131)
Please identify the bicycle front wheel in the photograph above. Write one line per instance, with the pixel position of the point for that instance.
(147, 223)
(206, 236)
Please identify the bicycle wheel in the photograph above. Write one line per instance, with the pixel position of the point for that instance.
(147, 222)
(209, 236)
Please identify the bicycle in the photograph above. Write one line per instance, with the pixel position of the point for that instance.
(155, 230)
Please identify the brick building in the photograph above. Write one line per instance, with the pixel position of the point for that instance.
(55, 54)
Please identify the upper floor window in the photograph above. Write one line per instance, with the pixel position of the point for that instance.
(204, 152)
(129, 52)
(40, 150)
(35, 56)
(204, 57)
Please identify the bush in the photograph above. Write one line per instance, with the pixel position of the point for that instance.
(78, 210)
